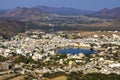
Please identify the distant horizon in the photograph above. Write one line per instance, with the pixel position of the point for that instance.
(54, 7)
(93, 5)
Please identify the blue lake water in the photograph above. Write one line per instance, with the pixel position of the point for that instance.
(75, 51)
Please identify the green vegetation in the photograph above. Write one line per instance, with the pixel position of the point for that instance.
(80, 76)
(2, 59)
(92, 76)
(29, 77)
(23, 59)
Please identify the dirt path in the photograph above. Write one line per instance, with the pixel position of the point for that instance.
(59, 78)
(18, 78)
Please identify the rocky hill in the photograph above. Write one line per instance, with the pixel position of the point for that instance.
(24, 14)
(107, 13)
(64, 10)
(39, 12)
(10, 28)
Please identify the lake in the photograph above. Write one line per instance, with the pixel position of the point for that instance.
(75, 51)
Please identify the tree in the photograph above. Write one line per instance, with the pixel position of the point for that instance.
(2, 58)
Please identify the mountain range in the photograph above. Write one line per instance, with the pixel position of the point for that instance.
(64, 10)
(24, 13)
(35, 18)
(38, 12)
(107, 13)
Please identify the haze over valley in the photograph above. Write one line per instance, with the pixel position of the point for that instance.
(59, 40)
(69, 19)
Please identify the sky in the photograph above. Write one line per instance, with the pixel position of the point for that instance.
(94, 5)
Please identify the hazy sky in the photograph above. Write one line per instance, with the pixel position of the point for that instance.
(79, 4)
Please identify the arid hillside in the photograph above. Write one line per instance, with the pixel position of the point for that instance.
(9, 28)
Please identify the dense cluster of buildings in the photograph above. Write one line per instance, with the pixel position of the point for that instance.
(42, 47)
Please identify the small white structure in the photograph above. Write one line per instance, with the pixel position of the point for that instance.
(116, 65)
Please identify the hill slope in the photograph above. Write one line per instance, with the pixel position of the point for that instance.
(107, 13)
(39, 12)
(9, 28)
(24, 14)
(64, 10)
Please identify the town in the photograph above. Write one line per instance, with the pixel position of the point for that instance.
(33, 54)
